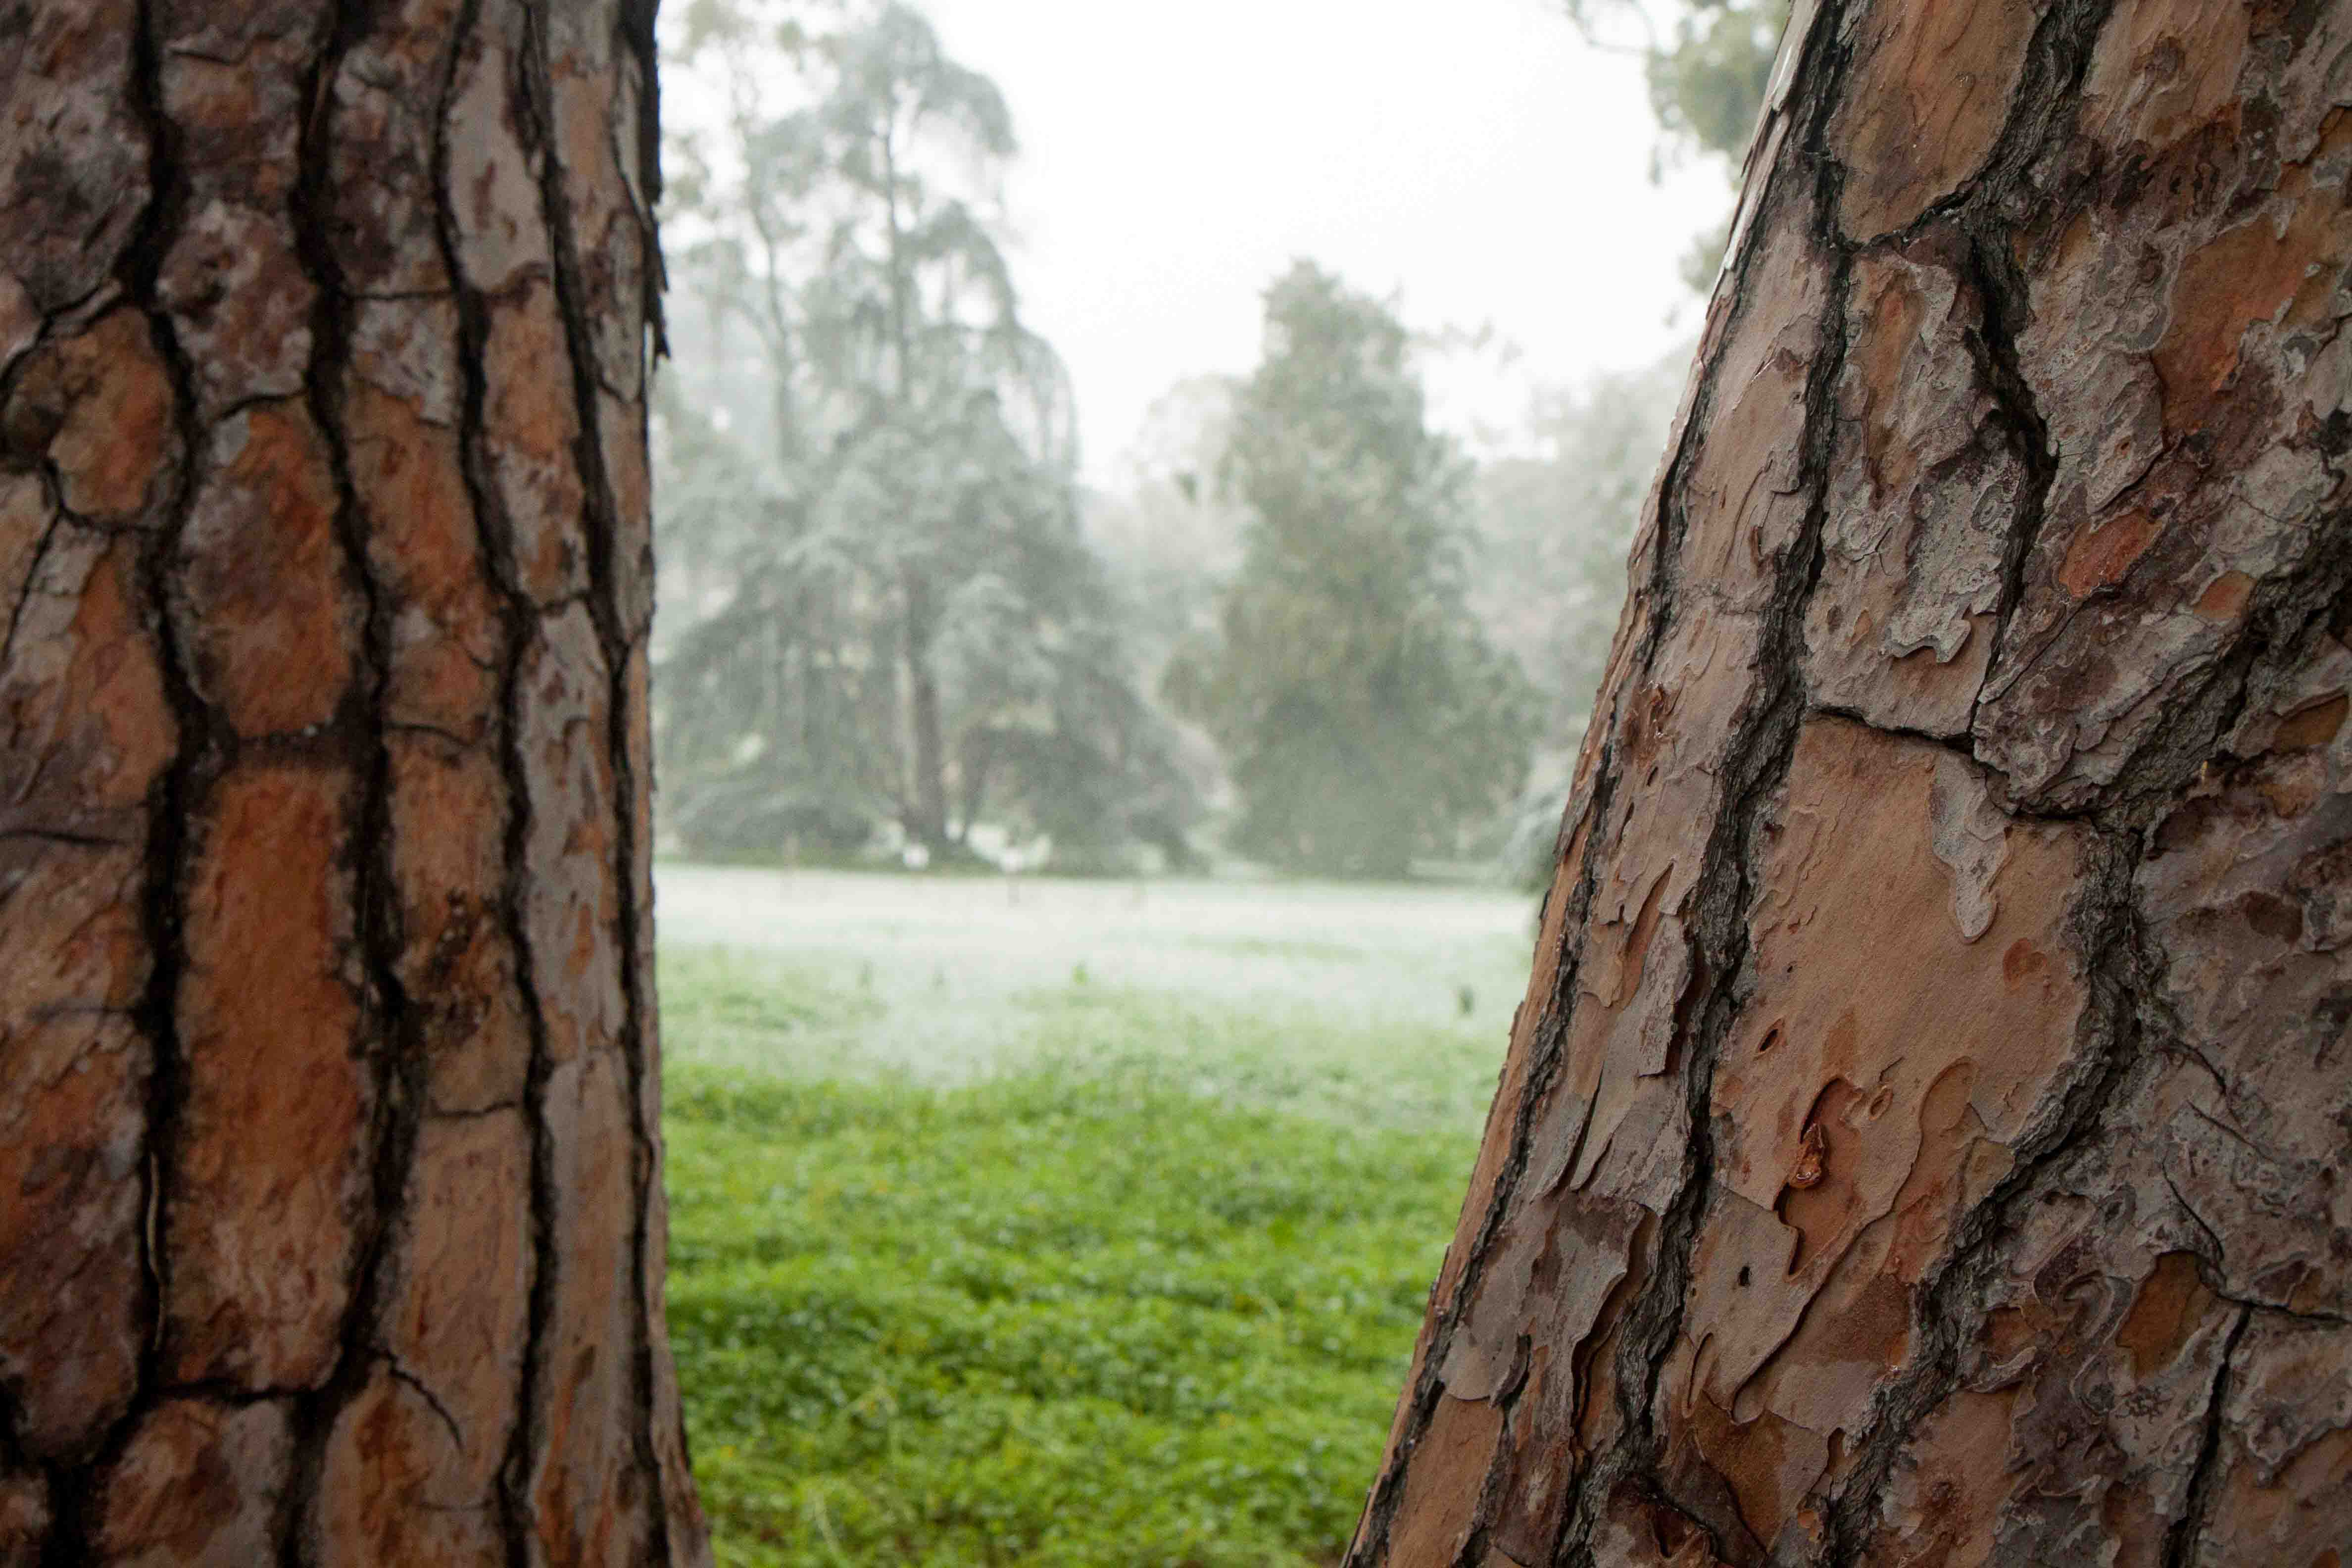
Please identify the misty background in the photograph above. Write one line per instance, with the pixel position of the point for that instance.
(1236, 472)
(1142, 504)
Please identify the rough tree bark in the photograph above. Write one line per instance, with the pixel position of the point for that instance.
(1927, 1137)
(331, 1223)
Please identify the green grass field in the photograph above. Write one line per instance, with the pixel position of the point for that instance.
(1127, 1273)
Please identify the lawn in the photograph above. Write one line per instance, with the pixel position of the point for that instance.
(1096, 1235)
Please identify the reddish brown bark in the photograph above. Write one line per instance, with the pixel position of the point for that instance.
(1927, 1137)
(331, 1224)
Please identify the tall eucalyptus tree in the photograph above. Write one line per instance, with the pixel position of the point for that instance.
(910, 607)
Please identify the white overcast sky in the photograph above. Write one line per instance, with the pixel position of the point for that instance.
(1473, 156)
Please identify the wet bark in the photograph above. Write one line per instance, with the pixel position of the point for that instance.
(1926, 1136)
(328, 1123)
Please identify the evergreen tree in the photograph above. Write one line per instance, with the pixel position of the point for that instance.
(1364, 717)
(904, 621)
(1707, 74)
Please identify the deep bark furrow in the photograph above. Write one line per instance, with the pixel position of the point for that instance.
(167, 848)
(2004, 308)
(2181, 1541)
(1950, 1303)
(519, 618)
(391, 1041)
(514, 1480)
(74, 1501)
(308, 725)
(168, 818)
(1762, 751)
(619, 642)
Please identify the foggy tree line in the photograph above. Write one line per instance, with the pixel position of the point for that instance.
(1309, 628)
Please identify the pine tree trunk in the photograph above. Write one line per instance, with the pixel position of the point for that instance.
(328, 1127)
(1927, 1137)
(930, 752)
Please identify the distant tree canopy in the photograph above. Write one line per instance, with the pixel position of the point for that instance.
(1363, 715)
(1707, 70)
(887, 601)
(1556, 520)
(869, 477)
(1168, 532)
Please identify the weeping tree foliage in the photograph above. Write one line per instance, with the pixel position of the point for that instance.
(893, 614)
(1363, 716)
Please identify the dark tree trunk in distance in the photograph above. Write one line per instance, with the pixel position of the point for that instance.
(931, 756)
